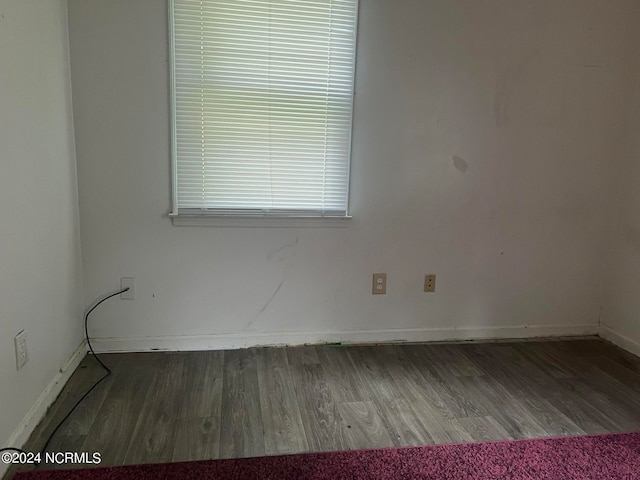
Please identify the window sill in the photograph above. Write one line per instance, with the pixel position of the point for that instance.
(257, 221)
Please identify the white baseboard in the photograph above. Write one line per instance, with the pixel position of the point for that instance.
(35, 414)
(251, 339)
(620, 340)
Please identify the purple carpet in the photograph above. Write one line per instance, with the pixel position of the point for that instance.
(601, 457)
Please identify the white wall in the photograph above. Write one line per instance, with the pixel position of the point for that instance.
(486, 141)
(621, 315)
(40, 271)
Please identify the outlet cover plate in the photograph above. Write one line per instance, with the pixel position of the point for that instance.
(430, 283)
(22, 355)
(379, 284)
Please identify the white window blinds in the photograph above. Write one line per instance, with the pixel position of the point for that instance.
(263, 95)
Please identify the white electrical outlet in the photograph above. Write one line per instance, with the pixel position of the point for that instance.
(379, 284)
(22, 356)
(129, 282)
(430, 283)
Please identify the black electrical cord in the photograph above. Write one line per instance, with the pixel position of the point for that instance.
(95, 356)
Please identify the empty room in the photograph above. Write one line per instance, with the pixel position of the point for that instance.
(319, 239)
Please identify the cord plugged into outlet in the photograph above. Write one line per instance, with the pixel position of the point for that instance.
(21, 344)
(128, 286)
(107, 370)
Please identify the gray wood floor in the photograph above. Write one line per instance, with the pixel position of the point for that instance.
(163, 407)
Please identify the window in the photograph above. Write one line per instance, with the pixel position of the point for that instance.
(262, 98)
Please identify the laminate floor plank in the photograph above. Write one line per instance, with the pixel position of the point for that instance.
(550, 418)
(579, 409)
(457, 398)
(440, 428)
(362, 426)
(305, 355)
(505, 408)
(626, 359)
(369, 366)
(484, 429)
(608, 412)
(159, 407)
(402, 423)
(514, 364)
(413, 380)
(283, 429)
(156, 431)
(570, 361)
(204, 372)
(199, 429)
(444, 387)
(616, 391)
(123, 405)
(452, 359)
(535, 353)
(86, 412)
(242, 429)
(343, 381)
(586, 348)
(87, 373)
(523, 383)
(518, 375)
(197, 438)
(319, 414)
(619, 372)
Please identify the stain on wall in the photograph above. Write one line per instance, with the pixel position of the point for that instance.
(460, 163)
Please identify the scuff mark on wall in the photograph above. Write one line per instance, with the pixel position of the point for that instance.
(267, 303)
(273, 295)
(280, 254)
(501, 101)
(283, 252)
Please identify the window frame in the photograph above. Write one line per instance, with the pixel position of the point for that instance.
(244, 218)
